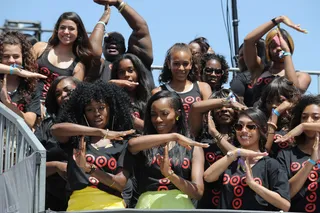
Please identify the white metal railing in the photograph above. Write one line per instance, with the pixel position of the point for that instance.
(314, 87)
(17, 142)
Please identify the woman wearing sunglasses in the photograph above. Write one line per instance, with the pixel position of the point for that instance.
(224, 114)
(214, 70)
(247, 182)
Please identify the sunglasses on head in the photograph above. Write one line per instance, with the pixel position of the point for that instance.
(250, 127)
(209, 70)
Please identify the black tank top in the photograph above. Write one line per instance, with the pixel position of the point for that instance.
(51, 71)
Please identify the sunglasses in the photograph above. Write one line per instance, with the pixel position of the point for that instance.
(250, 127)
(209, 70)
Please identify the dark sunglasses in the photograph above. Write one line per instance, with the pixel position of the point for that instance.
(250, 127)
(209, 70)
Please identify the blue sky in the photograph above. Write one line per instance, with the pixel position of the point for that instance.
(172, 21)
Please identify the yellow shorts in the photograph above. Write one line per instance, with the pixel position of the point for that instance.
(91, 198)
(171, 199)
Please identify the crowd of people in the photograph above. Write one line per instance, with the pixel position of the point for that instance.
(115, 140)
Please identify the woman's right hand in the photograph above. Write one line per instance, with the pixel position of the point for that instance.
(27, 74)
(188, 143)
(284, 106)
(248, 153)
(124, 83)
(289, 23)
(115, 135)
(315, 155)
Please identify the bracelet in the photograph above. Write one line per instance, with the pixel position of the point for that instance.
(276, 112)
(271, 133)
(238, 153)
(106, 135)
(101, 22)
(122, 6)
(171, 172)
(11, 70)
(225, 102)
(112, 183)
(218, 138)
(92, 169)
(272, 124)
(284, 53)
(312, 161)
(274, 21)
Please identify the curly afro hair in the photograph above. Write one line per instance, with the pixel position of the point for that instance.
(120, 118)
(224, 66)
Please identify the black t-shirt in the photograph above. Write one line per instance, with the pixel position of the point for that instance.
(308, 198)
(241, 85)
(211, 194)
(26, 103)
(236, 194)
(56, 192)
(109, 159)
(51, 71)
(260, 86)
(150, 177)
(277, 147)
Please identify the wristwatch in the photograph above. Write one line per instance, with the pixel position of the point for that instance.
(231, 154)
(92, 169)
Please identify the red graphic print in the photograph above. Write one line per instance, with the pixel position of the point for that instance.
(312, 197)
(310, 207)
(295, 166)
(313, 186)
(226, 179)
(238, 191)
(210, 157)
(186, 163)
(235, 180)
(112, 164)
(101, 161)
(313, 176)
(215, 200)
(90, 158)
(244, 181)
(237, 203)
(93, 181)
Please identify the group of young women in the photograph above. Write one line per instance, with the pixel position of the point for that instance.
(116, 141)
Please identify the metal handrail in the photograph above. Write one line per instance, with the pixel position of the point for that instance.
(17, 142)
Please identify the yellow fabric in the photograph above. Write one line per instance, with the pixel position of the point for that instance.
(91, 198)
(269, 38)
(170, 199)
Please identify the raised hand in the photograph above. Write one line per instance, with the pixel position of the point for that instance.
(27, 74)
(249, 176)
(315, 155)
(289, 23)
(211, 125)
(130, 85)
(290, 135)
(114, 135)
(5, 98)
(249, 153)
(109, 2)
(188, 143)
(284, 106)
(80, 155)
(164, 161)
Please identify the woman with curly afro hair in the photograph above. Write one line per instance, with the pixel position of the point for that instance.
(17, 88)
(98, 167)
(215, 70)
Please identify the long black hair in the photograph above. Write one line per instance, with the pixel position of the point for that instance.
(81, 47)
(181, 124)
(259, 118)
(280, 86)
(143, 90)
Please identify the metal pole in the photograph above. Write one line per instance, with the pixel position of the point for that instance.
(235, 22)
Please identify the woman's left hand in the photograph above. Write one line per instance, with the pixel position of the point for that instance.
(211, 125)
(164, 161)
(290, 135)
(249, 176)
(4, 92)
(80, 156)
